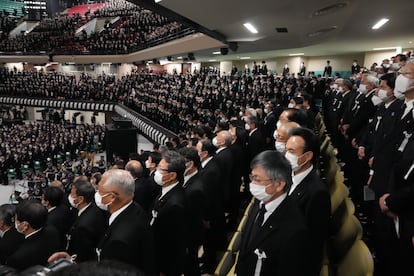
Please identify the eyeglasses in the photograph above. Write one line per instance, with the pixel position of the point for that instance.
(253, 178)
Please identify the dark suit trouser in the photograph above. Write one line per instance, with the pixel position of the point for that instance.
(191, 264)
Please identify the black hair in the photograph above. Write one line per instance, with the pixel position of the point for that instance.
(7, 213)
(85, 189)
(33, 212)
(54, 195)
(191, 154)
(310, 139)
(207, 145)
(176, 163)
(297, 115)
(390, 79)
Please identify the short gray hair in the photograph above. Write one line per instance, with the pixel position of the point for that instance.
(121, 178)
(373, 80)
(277, 167)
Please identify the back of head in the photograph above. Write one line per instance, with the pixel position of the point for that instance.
(297, 116)
(85, 189)
(135, 168)
(191, 154)
(54, 195)
(33, 212)
(7, 213)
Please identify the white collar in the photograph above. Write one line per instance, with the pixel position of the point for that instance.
(188, 177)
(220, 149)
(31, 234)
(83, 209)
(271, 206)
(298, 178)
(251, 132)
(204, 163)
(51, 209)
(388, 104)
(117, 212)
(167, 189)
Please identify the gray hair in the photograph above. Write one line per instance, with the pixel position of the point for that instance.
(373, 80)
(176, 163)
(227, 138)
(277, 167)
(7, 213)
(121, 178)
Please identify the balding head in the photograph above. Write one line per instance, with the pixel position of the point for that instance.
(135, 168)
(283, 131)
(224, 138)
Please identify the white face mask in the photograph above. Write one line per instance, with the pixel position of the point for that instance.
(362, 88)
(401, 86)
(259, 192)
(275, 134)
(215, 142)
(280, 147)
(376, 100)
(98, 201)
(247, 126)
(383, 94)
(340, 89)
(293, 160)
(158, 178)
(395, 66)
(291, 105)
(72, 202)
(147, 164)
(16, 225)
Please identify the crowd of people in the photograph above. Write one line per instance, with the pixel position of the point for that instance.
(133, 31)
(240, 136)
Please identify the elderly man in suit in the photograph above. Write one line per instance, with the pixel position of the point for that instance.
(128, 237)
(308, 191)
(276, 239)
(169, 219)
(39, 241)
(10, 239)
(90, 224)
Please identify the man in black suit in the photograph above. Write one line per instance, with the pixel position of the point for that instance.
(269, 125)
(327, 71)
(128, 238)
(256, 142)
(355, 68)
(59, 215)
(214, 221)
(40, 242)
(145, 189)
(196, 206)
(169, 219)
(276, 239)
(225, 161)
(10, 239)
(308, 191)
(90, 224)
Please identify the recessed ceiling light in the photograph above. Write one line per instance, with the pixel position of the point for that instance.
(179, 57)
(251, 28)
(322, 31)
(410, 42)
(156, 1)
(296, 54)
(380, 23)
(385, 48)
(212, 60)
(217, 53)
(244, 57)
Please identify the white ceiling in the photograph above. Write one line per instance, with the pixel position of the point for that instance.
(351, 25)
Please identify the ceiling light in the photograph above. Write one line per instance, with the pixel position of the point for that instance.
(212, 60)
(251, 28)
(217, 53)
(244, 57)
(156, 1)
(380, 23)
(179, 57)
(385, 48)
(296, 54)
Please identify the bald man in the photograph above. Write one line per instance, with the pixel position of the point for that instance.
(145, 190)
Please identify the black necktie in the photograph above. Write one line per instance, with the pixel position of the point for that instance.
(257, 223)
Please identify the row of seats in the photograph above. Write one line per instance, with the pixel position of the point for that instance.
(346, 254)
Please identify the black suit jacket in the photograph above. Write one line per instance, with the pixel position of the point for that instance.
(10, 242)
(170, 231)
(283, 238)
(196, 206)
(35, 250)
(313, 200)
(256, 144)
(146, 190)
(129, 239)
(365, 111)
(61, 219)
(85, 233)
(224, 160)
